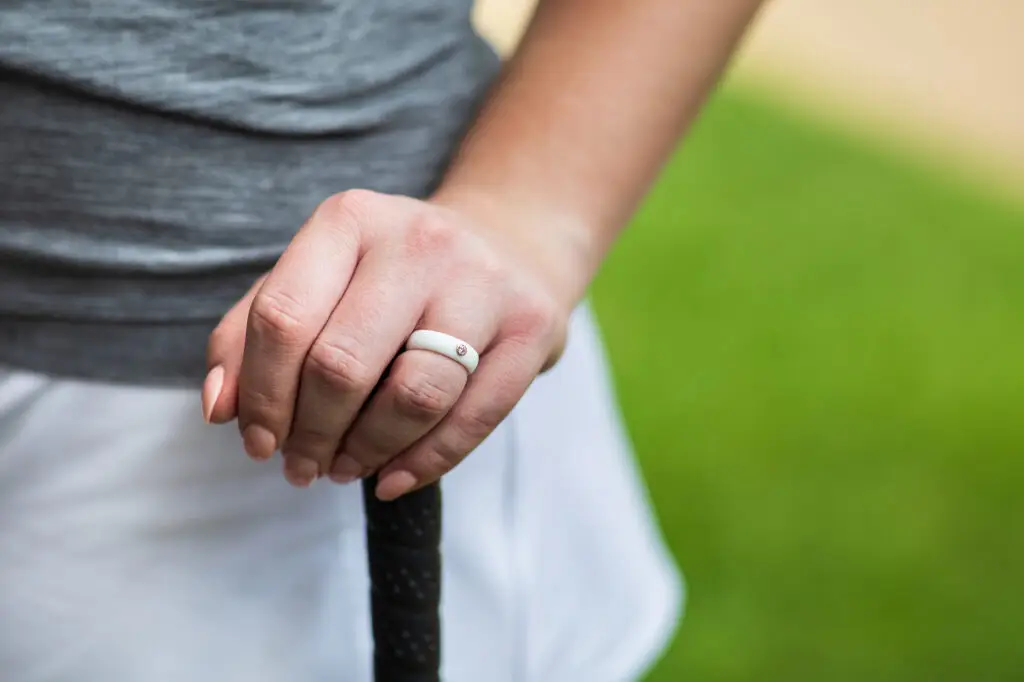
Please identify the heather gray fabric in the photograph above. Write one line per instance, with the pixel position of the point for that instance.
(157, 155)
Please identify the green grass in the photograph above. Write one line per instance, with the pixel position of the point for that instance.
(820, 354)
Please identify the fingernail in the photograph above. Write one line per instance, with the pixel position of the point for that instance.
(212, 387)
(345, 469)
(301, 472)
(395, 484)
(259, 442)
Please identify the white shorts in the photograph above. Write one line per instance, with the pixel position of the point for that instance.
(139, 545)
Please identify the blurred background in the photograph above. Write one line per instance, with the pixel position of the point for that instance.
(836, 255)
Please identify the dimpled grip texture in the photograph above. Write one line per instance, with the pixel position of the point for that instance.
(403, 541)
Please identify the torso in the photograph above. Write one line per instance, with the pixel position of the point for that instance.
(158, 155)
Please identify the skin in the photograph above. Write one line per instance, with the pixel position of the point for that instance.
(562, 152)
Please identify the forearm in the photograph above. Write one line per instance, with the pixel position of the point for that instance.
(585, 114)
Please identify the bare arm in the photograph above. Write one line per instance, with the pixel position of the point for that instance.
(583, 118)
(571, 138)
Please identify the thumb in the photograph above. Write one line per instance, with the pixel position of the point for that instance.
(224, 361)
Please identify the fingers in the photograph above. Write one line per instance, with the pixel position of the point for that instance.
(505, 373)
(364, 333)
(286, 316)
(299, 360)
(224, 361)
(419, 391)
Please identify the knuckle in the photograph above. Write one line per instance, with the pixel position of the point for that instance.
(477, 424)
(339, 366)
(370, 451)
(352, 203)
(313, 441)
(276, 316)
(346, 214)
(362, 446)
(537, 315)
(419, 398)
(437, 463)
(492, 268)
(428, 233)
(258, 407)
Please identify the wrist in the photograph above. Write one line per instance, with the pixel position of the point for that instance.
(558, 246)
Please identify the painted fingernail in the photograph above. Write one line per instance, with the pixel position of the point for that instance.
(212, 387)
(259, 442)
(301, 472)
(345, 469)
(395, 484)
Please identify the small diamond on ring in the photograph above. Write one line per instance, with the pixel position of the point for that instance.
(461, 349)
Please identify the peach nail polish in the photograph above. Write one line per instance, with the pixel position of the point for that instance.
(212, 387)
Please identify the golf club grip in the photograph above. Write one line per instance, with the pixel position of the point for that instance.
(403, 540)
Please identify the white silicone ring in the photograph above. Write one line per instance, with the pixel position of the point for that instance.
(446, 345)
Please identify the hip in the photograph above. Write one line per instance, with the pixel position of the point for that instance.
(127, 519)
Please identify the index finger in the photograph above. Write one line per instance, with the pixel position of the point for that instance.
(286, 316)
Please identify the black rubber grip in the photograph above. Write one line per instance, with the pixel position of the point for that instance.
(403, 541)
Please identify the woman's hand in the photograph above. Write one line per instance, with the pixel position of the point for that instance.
(572, 136)
(311, 360)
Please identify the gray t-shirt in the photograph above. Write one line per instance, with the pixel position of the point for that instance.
(156, 156)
